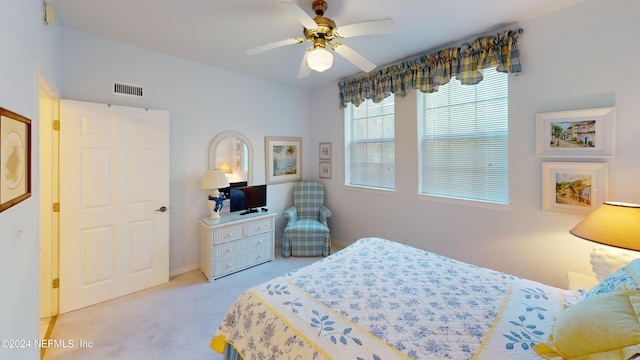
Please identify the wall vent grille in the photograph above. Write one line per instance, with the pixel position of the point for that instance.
(118, 88)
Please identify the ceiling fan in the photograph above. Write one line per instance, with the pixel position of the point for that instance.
(322, 31)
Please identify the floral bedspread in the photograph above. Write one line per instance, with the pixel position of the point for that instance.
(378, 299)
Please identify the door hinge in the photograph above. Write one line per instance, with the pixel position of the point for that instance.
(56, 207)
(56, 124)
(55, 283)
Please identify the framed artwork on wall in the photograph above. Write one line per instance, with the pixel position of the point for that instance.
(325, 151)
(573, 187)
(283, 159)
(15, 158)
(576, 133)
(325, 170)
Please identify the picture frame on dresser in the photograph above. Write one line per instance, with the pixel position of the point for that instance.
(576, 133)
(573, 187)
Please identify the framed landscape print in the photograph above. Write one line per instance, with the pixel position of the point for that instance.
(576, 133)
(15, 158)
(574, 187)
(283, 159)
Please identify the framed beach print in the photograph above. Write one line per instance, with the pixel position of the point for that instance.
(283, 159)
(576, 133)
(573, 187)
(15, 158)
(325, 151)
(325, 170)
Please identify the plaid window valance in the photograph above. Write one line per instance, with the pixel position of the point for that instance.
(427, 72)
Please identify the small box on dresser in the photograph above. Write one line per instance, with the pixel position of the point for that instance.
(235, 242)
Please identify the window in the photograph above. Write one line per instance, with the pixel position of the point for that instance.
(464, 140)
(370, 139)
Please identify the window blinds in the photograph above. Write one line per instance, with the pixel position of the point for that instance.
(464, 140)
(371, 144)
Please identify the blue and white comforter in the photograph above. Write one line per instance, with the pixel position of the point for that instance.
(378, 299)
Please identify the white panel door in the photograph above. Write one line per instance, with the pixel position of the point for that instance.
(114, 197)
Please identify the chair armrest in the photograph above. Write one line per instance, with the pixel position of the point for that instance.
(291, 214)
(325, 213)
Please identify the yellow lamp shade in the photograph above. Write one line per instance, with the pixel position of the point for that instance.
(613, 223)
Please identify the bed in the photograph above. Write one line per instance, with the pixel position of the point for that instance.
(378, 299)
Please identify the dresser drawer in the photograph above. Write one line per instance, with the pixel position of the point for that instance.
(227, 234)
(257, 227)
(233, 264)
(235, 248)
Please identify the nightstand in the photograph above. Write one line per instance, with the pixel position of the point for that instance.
(579, 281)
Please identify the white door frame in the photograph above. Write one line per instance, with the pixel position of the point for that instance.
(49, 103)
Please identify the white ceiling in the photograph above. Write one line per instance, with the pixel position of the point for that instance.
(217, 32)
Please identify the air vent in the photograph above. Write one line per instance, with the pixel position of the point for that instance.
(118, 88)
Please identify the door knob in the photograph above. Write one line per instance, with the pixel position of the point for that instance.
(162, 209)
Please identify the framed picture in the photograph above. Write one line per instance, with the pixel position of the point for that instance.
(283, 159)
(325, 170)
(574, 187)
(15, 158)
(576, 133)
(325, 151)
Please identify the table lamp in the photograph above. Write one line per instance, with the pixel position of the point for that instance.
(226, 168)
(615, 224)
(213, 180)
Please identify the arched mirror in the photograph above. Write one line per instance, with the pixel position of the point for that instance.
(232, 152)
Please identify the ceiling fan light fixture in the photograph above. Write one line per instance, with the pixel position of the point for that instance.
(319, 59)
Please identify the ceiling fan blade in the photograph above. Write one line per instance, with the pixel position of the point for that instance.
(372, 27)
(305, 70)
(354, 57)
(294, 9)
(273, 45)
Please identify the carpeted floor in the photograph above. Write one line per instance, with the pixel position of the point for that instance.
(173, 321)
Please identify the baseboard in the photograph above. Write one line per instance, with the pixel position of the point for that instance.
(184, 270)
(337, 245)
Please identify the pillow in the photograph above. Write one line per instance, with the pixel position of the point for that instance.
(606, 326)
(627, 277)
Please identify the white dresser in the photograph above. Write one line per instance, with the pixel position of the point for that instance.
(235, 242)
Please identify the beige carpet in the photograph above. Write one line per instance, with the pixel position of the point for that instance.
(172, 321)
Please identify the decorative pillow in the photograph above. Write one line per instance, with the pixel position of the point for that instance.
(627, 277)
(606, 326)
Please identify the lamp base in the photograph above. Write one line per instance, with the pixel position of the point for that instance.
(605, 260)
(211, 204)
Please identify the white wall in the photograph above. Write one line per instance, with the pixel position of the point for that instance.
(582, 57)
(21, 62)
(202, 101)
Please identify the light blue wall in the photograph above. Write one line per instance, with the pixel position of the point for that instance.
(202, 101)
(22, 62)
(582, 57)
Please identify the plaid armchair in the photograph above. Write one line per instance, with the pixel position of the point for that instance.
(307, 232)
